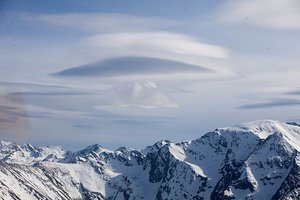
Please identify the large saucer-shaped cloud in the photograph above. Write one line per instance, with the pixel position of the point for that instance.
(131, 66)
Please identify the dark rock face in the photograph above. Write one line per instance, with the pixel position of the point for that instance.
(259, 160)
(290, 188)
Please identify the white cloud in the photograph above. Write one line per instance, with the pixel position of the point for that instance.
(159, 43)
(275, 14)
(119, 32)
(100, 22)
(145, 94)
(111, 35)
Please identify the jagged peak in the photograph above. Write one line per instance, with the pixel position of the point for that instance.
(159, 144)
(125, 150)
(293, 123)
(28, 146)
(277, 140)
(162, 143)
(96, 148)
(156, 146)
(5, 143)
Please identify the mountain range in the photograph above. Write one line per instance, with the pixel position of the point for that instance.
(255, 160)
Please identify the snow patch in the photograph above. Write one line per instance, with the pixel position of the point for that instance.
(177, 152)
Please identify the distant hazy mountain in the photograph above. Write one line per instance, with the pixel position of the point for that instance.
(256, 160)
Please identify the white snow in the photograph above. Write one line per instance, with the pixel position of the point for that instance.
(265, 128)
(251, 177)
(228, 192)
(197, 169)
(177, 152)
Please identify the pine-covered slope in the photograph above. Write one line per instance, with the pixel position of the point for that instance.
(256, 160)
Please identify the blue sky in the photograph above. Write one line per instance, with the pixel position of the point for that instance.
(133, 72)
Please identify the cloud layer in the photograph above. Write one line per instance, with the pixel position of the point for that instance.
(129, 66)
(156, 43)
(271, 104)
(99, 22)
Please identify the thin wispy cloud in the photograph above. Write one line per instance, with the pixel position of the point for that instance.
(274, 14)
(41, 93)
(156, 43)
(295, 92)
(99, 22)
(26, 85)
(271, 104)
(145, 94)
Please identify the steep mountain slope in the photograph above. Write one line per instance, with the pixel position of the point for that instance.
(256, 160)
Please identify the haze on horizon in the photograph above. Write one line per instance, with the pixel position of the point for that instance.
(134, 72)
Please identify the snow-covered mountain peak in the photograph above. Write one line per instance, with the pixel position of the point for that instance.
(162, 143)
(124, 150)
(265, 128)
(27, 153)
(8, 146)
(156, 146)
(93, 148)
(262, 128)
(5, 143)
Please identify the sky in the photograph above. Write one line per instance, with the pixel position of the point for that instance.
(130, 73)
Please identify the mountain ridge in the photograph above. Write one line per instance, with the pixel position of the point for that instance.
(255, 160)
